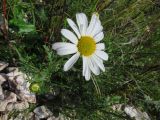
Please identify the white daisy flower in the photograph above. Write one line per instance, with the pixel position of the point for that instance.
(84, 42)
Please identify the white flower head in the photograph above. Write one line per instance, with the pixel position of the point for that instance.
(84, 42)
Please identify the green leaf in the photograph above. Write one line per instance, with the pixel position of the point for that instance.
(20, 19)
(27, 28)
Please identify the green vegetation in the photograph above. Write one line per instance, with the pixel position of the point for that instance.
(132, 39)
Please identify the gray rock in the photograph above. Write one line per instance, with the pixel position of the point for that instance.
(30, 116)
(51, 118)
(11, 69)
(19, 117)
(3, 65)
(4, 117)
(36, 117)
(42, 112)
(21, 105)
(10, 107)
(2, 80)
(131, 111)
(136, 113)
(10, 99)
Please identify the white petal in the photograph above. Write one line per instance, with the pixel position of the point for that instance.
(97, 31)
(86, 23)
(71, 62)
(97, 70)
(82, 22)
(86, 70)
(79, 19)
(99, 62)
(63, 51)
(74, 27)
(59, 45)
(93, 66)
(70, 47)
(84, 65)
(102, 54)
(97, 28)
(87, 73)
(92, 24)
(96, 67)
(69, 35)
(99, 37)
(100, 46)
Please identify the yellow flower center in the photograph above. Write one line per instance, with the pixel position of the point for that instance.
(86, 45)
